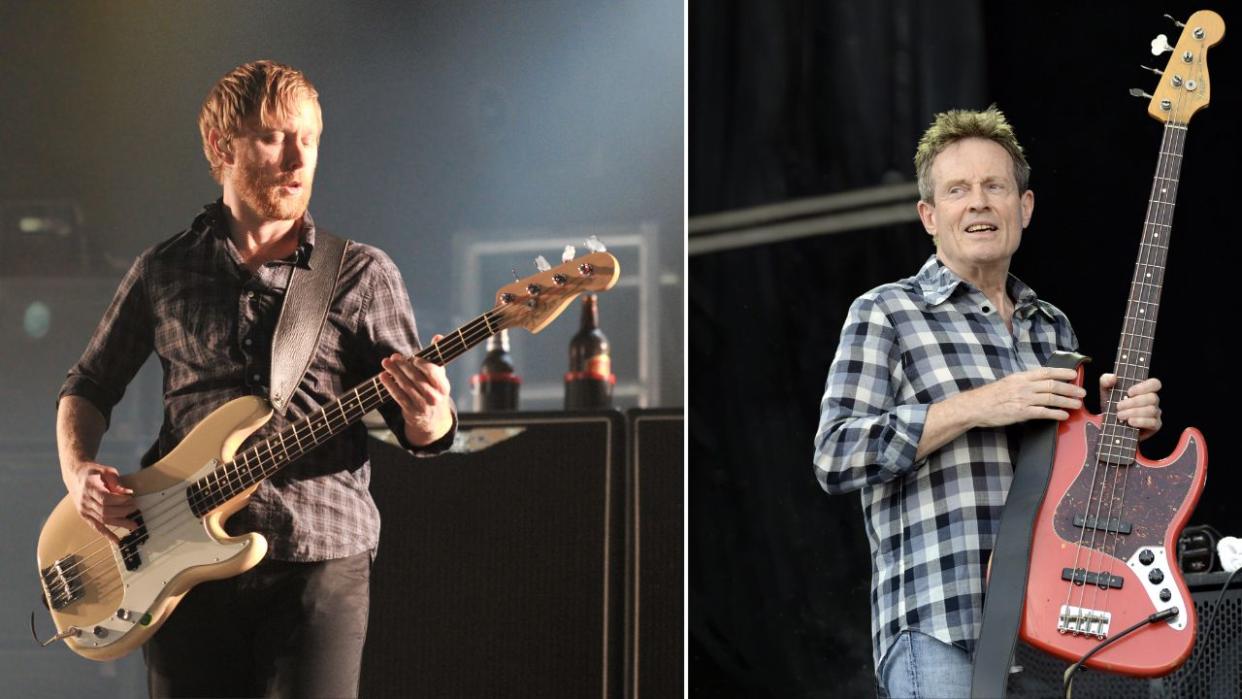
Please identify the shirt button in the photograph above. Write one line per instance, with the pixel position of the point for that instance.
(256, 377)
(987, 309)
(250, 294)
(246, 342)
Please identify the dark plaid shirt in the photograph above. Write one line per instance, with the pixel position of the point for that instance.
(210, 321)
(931, 523)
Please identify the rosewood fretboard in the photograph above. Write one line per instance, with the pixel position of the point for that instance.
(270, 455)
(1118, 441)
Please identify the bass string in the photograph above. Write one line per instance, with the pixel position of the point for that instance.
(498, 315)
(376, 394)
(272, 463)
(166, 508)
(1109, 445)
(1163, 206)
(112, 583)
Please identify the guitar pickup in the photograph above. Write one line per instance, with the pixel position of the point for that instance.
(1080, 576)
(1114, 525)
(62, 582)
(131, 542)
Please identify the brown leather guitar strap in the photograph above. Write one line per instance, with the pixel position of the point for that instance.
(1011, 554)
(302, 315)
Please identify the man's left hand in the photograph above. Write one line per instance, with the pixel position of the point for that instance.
(422, 390)
(1141, 406)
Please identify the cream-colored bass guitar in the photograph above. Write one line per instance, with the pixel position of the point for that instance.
(106, 600)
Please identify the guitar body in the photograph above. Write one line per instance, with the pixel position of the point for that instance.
(91, 579)
(1133, 543)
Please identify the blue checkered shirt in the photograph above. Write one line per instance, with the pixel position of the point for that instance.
(931, 523)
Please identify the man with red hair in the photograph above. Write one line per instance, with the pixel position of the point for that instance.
(207, 301)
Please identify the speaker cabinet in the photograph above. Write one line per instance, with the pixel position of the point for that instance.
(1215, 665)
(500, 565)
(655, 596)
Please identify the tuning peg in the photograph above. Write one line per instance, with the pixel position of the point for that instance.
(516, 278)
(1135, 92)
(1174, 21)
(1160, 45)
(1154, 70)
(569, 253)
(541, 264)
(594, 245)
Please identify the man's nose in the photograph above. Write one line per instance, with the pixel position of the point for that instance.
(294, 155)
(978, 198)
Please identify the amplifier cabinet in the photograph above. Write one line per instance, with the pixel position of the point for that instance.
(1215, 665)
(500, 565)
(655, 567)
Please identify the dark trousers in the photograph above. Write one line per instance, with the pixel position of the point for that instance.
(280, 629)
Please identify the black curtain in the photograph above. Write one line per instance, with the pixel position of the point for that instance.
(790, 100)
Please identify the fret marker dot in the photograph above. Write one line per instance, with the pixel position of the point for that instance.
(1163, 190)
(1142, 310)
(1117, 441)
(1149, 275)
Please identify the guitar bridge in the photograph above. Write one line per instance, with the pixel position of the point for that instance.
(61, 585)
(1080, 620)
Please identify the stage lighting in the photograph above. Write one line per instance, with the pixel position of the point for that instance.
(41, 238)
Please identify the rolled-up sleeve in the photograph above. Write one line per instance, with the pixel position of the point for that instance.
(865, 436)
(121, 343)
(388, 327)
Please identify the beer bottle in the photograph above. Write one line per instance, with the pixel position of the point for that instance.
(495, 387)
(589, 382)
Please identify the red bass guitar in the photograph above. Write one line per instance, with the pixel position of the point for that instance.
(1104, 547)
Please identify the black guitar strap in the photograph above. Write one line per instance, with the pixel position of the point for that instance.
(302, 316)
(1011, 554)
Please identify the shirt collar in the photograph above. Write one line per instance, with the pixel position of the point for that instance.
(937, 282)
(211, 220)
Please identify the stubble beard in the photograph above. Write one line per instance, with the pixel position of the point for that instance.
(263, 196)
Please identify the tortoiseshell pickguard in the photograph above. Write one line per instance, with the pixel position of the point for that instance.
(1150, 498)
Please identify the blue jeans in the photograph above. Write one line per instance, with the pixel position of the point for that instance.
(918, 666)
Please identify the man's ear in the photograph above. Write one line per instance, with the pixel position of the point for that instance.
(221, 147)
(927, 216)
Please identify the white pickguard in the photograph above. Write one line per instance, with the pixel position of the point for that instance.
(1143, 571)
(176, 541)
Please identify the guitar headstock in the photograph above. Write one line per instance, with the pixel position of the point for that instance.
(1184, 88)
(537, 300)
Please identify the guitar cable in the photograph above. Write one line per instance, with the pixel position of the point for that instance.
(1230, 551)
(1151, 619)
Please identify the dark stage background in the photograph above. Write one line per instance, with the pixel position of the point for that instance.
(798, 99)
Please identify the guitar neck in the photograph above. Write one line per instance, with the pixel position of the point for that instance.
(265, 458)
(1138, 332)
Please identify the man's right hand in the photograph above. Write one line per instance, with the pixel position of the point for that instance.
(101, 500)
(1038, 394)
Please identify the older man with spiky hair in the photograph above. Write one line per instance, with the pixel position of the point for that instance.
(930, 373)
(207, 302)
